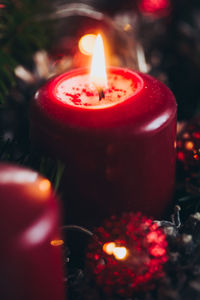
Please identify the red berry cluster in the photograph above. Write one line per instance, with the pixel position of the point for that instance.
(130, 255)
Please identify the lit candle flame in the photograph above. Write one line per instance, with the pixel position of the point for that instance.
(98, 68)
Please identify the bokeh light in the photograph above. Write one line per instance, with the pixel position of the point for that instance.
(120, 252)
(86, 44)
(109, 247)
(117, 251)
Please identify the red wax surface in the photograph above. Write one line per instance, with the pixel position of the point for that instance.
(31, 267)
(118, 158)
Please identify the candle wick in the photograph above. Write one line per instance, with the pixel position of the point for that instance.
(101, 93)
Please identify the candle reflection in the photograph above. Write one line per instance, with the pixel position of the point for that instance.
(86, 44)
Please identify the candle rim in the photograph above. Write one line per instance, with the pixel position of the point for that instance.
(154, 95)
(85, 71)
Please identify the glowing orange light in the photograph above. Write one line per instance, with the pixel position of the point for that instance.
(86, 44)
(196, 157)
(120, 253)
(98, 68)
(175, 144)
(127, 27)
(109, 247)
(57, 243)
(189, 145)
(44, 185)
(40, 189)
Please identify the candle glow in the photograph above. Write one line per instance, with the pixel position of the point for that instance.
(78, 90)
(101, 87)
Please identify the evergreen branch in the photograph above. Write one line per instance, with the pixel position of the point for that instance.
(20, 36)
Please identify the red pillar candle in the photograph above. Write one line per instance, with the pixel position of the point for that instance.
(119, 151)
(31, 266)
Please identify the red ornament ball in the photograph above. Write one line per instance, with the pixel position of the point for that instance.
(130, 255)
